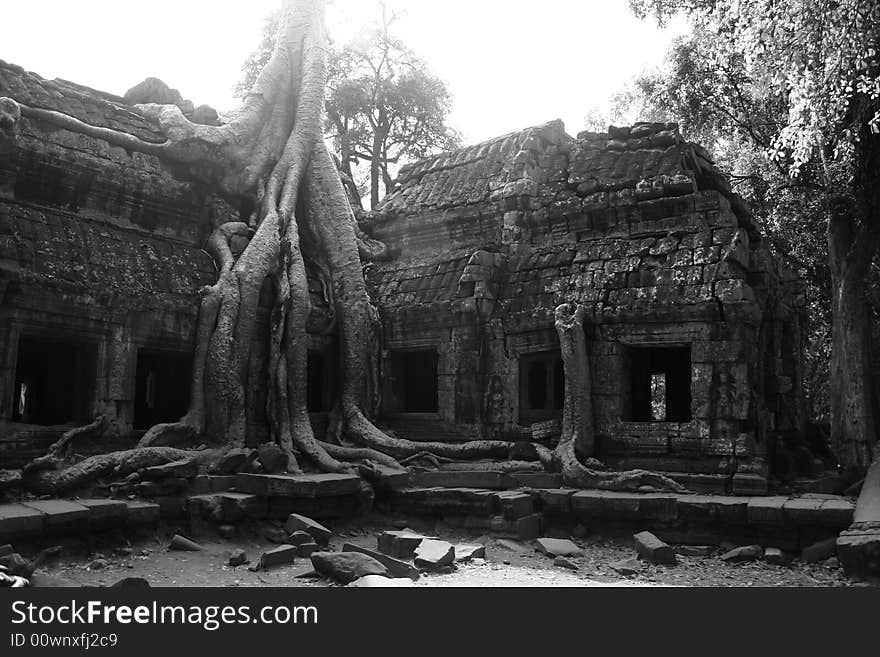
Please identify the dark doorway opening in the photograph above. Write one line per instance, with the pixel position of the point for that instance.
(162, 387)
(54, 381)
(541, 386)
(320, 390)
(659, 384)
(413, 382)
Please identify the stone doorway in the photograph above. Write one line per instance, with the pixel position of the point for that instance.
(413, 383)
(162, 387)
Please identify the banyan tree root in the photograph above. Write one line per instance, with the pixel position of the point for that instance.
(578, 433)
(60, 449)
(121, 463)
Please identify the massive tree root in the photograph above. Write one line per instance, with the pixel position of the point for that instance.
(577, 441)
(272, 152)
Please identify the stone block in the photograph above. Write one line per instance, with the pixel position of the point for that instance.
(652, 549)
(346, 567)
(464, 553)
(183, 469)
(141, 513)
(296, 522)
(280, 556)
(556, 501)
(858, 549)
(61, 515)
(820, 551)
(18, 521)
(310, 485)
(537, 479)
(460, 479)
(105, 513)
(743, 554)
(432, 554)
(766, 511)
(396, 567)
(515, 504)
(399, 544)
(557, 547)
(802, 511)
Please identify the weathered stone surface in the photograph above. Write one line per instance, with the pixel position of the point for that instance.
(563, 562)
(105, 513)
(141, 513)
(152, 90)
(460, 479)
(515, 504)
(300, 537)
(776, 557)
(433, 555)
(380, 581)
(233, 461)
(310, 485)
(743, 554)
(465, 553)
(399, 544)
(296, 522)
(859, 552)
(548, 480)
(396, 567)
(306, 549)
(557, 547)
(184, 544)
(272, 458)
(820, 550)
(280, 556)
(184, 469)
(514, 546)
(556, 500)
(346, 567)
(61, 515)
(628, 567)
(446, 501)
(276, 535)
(766, 510)
(18, 520)
(652, 549)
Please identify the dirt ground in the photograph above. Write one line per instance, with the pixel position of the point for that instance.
(107, 559)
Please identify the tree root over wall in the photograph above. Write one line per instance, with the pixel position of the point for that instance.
(272, 150)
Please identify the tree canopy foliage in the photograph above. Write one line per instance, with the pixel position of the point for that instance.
(383, 105)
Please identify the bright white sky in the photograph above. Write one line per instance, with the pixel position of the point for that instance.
(509, 64)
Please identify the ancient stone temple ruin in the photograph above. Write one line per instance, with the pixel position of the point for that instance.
(693, 331)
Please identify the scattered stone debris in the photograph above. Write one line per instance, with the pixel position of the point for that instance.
(379, 581)
(433, 554)
(282, 555)
(820, 551)
(300, 537)
(557, 547)
(652, 549)
(316, 530)
(515, 546)
(563, 562)
(98, 564)
(276, 535)
(696, 550)
(628, 567)
(346, 567)
(47, 555)
(399, 544)
(238, 558)
(743, 554)
(233, 461)
(776, 557)
(183, 544)
(396, 567)
(465, 553)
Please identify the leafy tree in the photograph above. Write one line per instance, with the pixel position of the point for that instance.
(383, 105)
(800, 82)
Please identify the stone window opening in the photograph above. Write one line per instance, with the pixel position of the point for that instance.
(413, 382)
(162, 387)
(657, 387)
(541, 386)
(54, 381)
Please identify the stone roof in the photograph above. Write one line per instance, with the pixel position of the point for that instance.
(88, 105)
(644, 161)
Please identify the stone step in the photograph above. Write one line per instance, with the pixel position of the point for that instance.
(461, 479)
(35, 518)
(309, 485)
